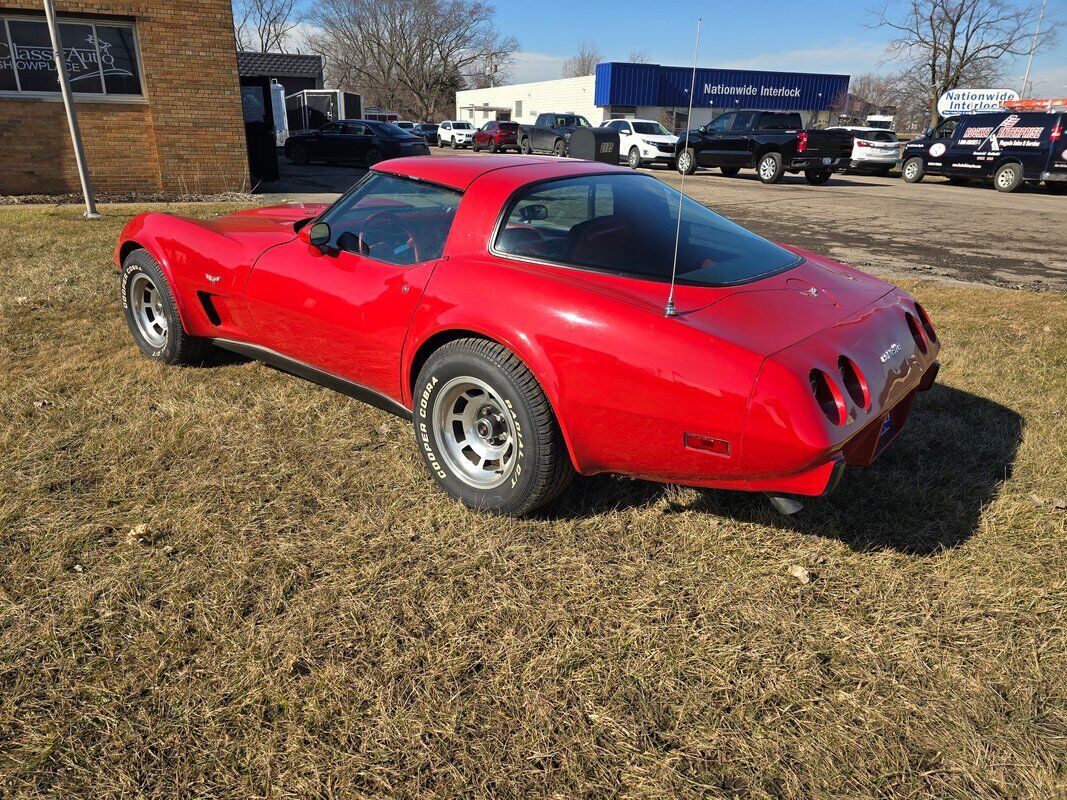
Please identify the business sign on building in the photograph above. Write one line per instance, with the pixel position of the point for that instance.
(625, 84)
(973, 101)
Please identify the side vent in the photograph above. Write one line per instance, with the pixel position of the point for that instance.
(209, 308)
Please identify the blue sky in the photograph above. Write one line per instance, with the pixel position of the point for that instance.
(815, 36)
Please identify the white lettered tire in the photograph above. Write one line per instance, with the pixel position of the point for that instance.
(152, 314)
(486, 431)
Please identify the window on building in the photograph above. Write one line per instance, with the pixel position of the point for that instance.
(101, 57)
(518, 108)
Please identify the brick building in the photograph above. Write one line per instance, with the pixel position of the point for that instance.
(156, 90)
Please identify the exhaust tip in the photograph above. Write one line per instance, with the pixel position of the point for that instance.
(785, 504)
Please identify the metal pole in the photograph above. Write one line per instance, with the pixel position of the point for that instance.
(72, 114)
(1033, 47)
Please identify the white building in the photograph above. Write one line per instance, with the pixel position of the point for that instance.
(651, 91)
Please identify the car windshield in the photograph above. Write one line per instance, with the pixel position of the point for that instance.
(463, 126)
(625, 224)
(650, 129)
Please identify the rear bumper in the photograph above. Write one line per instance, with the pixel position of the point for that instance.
(819, 162)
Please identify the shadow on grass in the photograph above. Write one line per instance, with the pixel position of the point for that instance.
(924, 494)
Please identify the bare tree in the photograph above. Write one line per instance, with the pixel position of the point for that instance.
(584, 61)
(944, 44)
(639, 57)
(264, 25)
(408, 55)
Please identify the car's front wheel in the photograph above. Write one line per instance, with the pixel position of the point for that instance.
(913, 170)
(486, 431)
(633, 159)
(152, 314)
(686, 162)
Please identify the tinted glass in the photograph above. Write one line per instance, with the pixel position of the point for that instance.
(626, 224)
(7, 66)
(721, 123)
(743, 121)
(780, 121)
(572, 121)
(118, 57)
(389, 129)
(393, 219)
(463, 126)
(651, 129)
(509, 126)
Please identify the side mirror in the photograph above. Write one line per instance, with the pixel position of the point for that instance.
(532, 213)
(316, 235)
(928, 133)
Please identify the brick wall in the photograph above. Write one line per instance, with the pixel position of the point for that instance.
(187, 137)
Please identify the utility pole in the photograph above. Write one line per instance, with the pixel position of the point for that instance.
(72, 114)
(1033, 47)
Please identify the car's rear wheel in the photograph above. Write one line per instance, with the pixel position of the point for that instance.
(559, 149)
(687, 162)
(298, 154)
(633, 159)
(817, 177)
(374, 155)
(486, 430)
(913, 170)
(152, 315)
(729, 172)
(1008, 177)
(493, 148)
(770, 168)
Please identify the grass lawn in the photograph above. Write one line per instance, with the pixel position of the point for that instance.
(226, 582)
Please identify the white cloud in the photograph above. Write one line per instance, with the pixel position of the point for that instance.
(536, 67)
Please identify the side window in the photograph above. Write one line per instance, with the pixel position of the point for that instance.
(743, 121)
(446, 126)
(333, 127)
(356, 129)
(946, 128)
(624, 128)
(721, 123)
(780, 122)
(393, 219)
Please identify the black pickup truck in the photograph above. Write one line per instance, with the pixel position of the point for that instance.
(550, 134)
(771, 142)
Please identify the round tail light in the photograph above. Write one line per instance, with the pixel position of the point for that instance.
(916, 333)
(854, 382)
(828, 396)
(924, 320)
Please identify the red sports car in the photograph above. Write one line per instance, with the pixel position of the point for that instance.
(514, 309)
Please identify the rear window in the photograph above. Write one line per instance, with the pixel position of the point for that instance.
(509, 126)
(625, 224)
(780, 121)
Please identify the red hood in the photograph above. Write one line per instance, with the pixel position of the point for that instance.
(270, 223)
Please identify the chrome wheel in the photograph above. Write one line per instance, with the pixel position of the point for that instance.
(635, 158)
(767, 168)
(474, 432)
(910, 169)
(147, 304)
(685, 162)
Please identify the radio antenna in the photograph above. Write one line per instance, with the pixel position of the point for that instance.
(669, 308)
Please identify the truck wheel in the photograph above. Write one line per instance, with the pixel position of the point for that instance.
(486, 430)
(817, 177)
(559, 149)
(524, 146)
(913, 170)
(687, 162)
(770, 168)
(1008, 177)
(633, 160)
(730, 172)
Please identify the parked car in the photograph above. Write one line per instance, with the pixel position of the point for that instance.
(422, 291)
(354, 140)
(874, 149)
(428, 132)
(497, 136)
(1008, 146)
(643, 141)
(551, 133)
(455, 133)
(771, 142)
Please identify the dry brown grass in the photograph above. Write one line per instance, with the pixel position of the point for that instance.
(225, 582)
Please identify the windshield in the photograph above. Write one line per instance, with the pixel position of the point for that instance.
(463, 126)
(625, 224)
(650, 129)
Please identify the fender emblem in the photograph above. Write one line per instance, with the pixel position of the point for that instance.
(890, 351)
(212, 278)
(812, 291)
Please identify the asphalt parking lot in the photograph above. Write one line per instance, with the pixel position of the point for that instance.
(928, 230)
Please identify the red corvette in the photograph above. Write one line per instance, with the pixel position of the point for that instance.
(513, 308)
